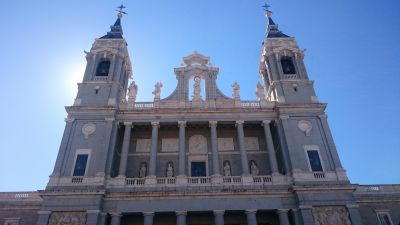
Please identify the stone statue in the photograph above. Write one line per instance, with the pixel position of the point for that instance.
(143, 170)
(157, 90)
(132, 92)
(197, 88)
(335, 215)
(170, 170)
(227, 169)
(253, 168)
(236, 90)
(260, 92)
(70, 218)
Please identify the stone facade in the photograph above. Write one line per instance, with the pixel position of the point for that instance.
(201, 157)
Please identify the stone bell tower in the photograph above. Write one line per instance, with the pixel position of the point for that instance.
(282, 68)
(107, 72)
(91, 128)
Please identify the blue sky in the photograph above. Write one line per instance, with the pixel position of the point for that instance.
(353, 54)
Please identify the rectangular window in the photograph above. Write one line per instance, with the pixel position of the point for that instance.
(384, 219)
(315, 161)
(80, 165)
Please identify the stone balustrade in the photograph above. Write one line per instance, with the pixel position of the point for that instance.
(199, 181)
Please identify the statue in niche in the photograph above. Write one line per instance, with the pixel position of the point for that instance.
(197, 88)
(260, 92)
(253, 168)
(132, 92)
(170, 169)
(331, 216)
(157, 90)
(227, 169)
(143, 170)
(236, 90)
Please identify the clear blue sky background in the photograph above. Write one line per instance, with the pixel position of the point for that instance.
(353, 54)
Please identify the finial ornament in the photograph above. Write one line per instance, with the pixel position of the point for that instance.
(121, 11)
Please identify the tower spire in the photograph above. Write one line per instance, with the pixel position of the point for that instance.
(272, 28)
(116, 29)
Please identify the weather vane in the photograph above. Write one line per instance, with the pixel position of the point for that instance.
(121, 9)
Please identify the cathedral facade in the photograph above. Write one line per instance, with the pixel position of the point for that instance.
(198, 156)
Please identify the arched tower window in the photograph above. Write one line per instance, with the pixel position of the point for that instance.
(103, 68)
(288, 66)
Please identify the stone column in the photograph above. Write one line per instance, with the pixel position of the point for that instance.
(283, 217)
(115, 218)
(242, 148)
(306, 215)
(103, 218)
(153, 151)
(125, 149)
(354, 214)
(297, 217)
(92, 217)
(270, 147)
(182, 149)
(148, 218)
(219, 217)
(214, 148)
(181, 217)
(251, 216)
(43, 217)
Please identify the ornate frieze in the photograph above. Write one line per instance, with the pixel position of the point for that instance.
(67, 218)
(334, 215)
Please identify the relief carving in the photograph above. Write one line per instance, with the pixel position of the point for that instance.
(169, 145)
(305, 126)
(67, 218)
(198, 144)
(143, 145)
(88, 129)
(251, 143)
(335, 215)
(225, 144)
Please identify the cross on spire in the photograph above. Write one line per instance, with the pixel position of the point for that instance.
(121, 9)
(266, 7)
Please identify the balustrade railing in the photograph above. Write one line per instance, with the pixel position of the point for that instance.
(144, 105)
(166, 180)
(76, 180)
(319, 175)
(250, 104)
(232, 180)
(101, 78)
(199, 180)
(262, 179)
(135, 181)
(290, 76)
